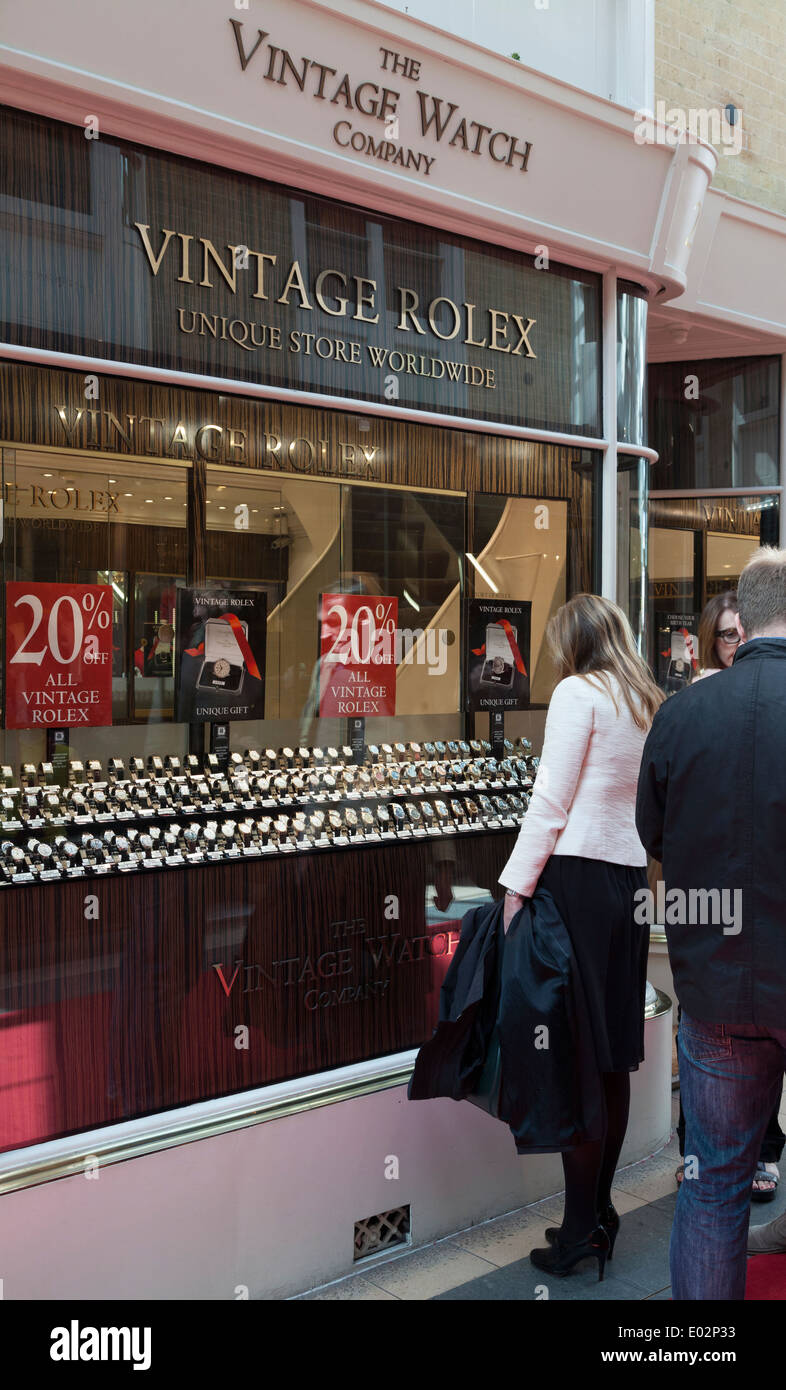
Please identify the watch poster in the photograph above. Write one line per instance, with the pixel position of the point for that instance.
(678, 650)
(58, 655)
(220, 654)
(357, 655)
(497, 657)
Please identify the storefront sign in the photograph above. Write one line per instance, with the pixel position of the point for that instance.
(434, 118)
(58, 655)
(40, 499)
(497, 663)
(678, 650)
(217, 273)
(220, 654)
(357, 655)
(174, 439)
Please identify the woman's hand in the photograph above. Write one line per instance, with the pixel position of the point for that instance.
(513, 903)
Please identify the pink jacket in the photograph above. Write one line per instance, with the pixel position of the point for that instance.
(584, 798)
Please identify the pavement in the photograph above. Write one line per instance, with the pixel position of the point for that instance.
(491, 1260)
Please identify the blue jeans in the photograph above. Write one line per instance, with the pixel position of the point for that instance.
(731, 1075)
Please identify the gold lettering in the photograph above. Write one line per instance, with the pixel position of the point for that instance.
(320, 280)
(469, 338)
(153, 446)
(155, 261)
(209, 253)
(524, 331)
(408, 303)
(237, 443)
(364, 299)
(211, 450)
(179, 440)
(295, 281)
(498, 330)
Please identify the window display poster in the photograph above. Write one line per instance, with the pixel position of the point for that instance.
(678, 650)
(58, 657)
(357, 655)
(497, 659)
(220, 654)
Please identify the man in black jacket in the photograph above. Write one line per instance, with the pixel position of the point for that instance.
(712, 808)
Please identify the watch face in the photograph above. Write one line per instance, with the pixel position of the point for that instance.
(383, 815)
(367, 816)
(457, 810)
(398, 812)
(472, 809)
(429, 749)
(334, 817)
(427, 810)
(351, 816)
(442, 810)
(413, 813)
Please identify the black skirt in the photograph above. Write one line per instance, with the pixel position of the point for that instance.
(596, 902)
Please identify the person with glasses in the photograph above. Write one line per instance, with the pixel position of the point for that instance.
(718, 635)
(718, 641)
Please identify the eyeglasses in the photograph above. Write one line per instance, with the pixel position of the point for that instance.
(730, 636)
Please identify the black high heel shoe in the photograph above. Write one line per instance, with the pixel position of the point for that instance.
(559, 1258)
(608, 1218)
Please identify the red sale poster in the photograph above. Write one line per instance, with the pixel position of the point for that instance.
(357, 655)
(58, 656)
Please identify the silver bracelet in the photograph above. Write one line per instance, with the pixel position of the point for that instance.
(511, 893)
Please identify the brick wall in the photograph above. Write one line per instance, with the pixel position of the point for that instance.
(711, 52)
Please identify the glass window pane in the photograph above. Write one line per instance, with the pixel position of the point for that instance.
(715, 423)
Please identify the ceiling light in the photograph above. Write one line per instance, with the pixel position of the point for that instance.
(128, 494)
(222, 509)
(167, 499)
(148, 499)
(47, 475)
(111, 480)
(221, 487)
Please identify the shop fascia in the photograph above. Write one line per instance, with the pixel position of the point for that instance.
(496, 330)
(439, 118)
(154, 435)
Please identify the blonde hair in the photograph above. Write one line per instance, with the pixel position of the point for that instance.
(590, 636)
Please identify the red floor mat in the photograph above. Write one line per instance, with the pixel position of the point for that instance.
(766, 1278)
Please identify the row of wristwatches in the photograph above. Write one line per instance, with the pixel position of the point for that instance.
(171, 844)
(174, 812)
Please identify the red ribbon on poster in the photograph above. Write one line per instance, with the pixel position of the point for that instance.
(240, 638)
(508, 631)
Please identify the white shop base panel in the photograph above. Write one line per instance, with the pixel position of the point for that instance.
(268, 1210)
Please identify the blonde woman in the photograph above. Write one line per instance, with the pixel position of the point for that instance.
(579, 841)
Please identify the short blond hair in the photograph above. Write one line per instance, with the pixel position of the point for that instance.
(761, 591)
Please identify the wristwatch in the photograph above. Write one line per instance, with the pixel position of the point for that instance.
(511, 893)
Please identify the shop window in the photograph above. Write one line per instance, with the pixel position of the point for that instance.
(78, 519)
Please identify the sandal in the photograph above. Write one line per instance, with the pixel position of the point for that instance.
(764, 1173)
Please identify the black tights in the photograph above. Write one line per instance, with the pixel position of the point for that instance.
(589, 1169)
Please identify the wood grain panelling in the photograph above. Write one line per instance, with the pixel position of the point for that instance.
(135, 1012)
(399, 453)
(729, 515)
